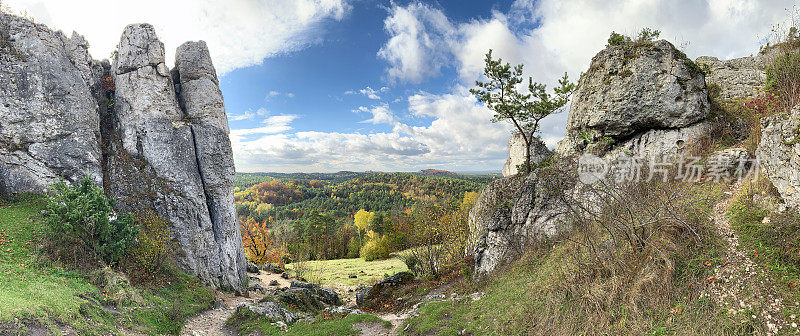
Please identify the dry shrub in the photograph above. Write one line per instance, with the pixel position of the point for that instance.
(153, 250)
(783, 77)
(632, 252)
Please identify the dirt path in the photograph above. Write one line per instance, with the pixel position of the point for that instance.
(741, 287)
(212, 322)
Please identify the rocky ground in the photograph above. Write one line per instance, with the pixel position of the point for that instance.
(212, 322)
(741, 287)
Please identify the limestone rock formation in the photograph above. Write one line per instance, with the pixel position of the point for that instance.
(631, 89)
(779, 154)
(48, 126)
(204, 109)
(157, 140)
(535, 210)
(736, 78)
(642, 100)
(516, 155)
(173, 163)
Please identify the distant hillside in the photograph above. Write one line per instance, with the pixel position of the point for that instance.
(292, 196)
(437, 172)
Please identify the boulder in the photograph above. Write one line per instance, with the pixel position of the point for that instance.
(631, 89)
(272, 268)
(382, 288)
(778, 154)
(49, 125)
(270, 310)
(252, 267)
(516, 153)
(326, 295)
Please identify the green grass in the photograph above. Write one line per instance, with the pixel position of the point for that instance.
(338, 271)
(42, 292)
(548, 293)
(250, 323)
(773, 245)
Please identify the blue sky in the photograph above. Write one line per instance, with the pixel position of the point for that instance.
(329, 85)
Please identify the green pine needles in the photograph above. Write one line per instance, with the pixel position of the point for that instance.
(81, 218)
(523, 109)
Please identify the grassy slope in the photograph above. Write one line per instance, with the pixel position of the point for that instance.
(774, 245)
(39, 292)
(534, 297)
(337, 272)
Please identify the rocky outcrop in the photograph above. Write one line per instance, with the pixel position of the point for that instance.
(537, 210)
(49, 128)
(736, 78)
(173, 162)
(516, 153)
(631, 89)
(779, 154)
(643, 100)
(382, 288)
(156, 139)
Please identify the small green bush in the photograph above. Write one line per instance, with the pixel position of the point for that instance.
(82, 216)
(154, 247)
(377, 248)
(648, 35)
(617, 39)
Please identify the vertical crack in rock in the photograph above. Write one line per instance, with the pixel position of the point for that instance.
(204, 109)
(180, 171)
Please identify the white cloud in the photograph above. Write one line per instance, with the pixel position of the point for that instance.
(274, 124)
(380, 114)
(414, 50)
(239, 33)
(368, 92)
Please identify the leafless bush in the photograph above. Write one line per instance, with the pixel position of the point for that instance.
(628, 243)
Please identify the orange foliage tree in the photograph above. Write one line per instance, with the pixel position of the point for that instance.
(259, 244)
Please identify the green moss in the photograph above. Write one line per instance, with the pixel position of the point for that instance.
(246, 322)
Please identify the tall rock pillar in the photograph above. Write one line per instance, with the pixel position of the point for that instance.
(201, 99)
(155, 165)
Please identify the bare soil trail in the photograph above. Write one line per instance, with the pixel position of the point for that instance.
(212, 322)
(742, 288)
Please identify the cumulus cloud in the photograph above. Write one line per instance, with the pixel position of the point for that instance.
(239, 33)
(274, 124)
(380, 114)
(417, 33)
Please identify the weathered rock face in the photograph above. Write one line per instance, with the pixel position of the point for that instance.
(637, 100)
(204, 108)
(159, 151)
(173, 163)
(534, 211)
(779, 154)
(516, 153)
(736, 78)
(49, 128)
(632, 89)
